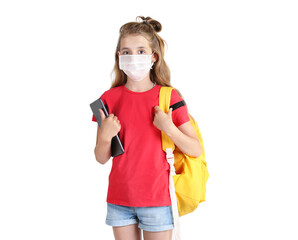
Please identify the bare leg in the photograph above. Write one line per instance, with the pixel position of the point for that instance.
(164, 235)
(130, 232)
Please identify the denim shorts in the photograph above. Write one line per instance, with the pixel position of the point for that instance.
(151, 219)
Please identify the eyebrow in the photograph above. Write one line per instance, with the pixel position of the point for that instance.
(141, 47)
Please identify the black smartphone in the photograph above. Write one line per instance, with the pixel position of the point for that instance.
(116, 145)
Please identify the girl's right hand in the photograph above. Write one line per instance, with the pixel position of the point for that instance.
(110, 126)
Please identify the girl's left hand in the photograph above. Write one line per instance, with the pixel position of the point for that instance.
(162, 120)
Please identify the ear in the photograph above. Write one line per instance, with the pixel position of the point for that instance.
(154, 57)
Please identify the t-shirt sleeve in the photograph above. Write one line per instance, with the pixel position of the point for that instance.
(103, 98)
(180, 115)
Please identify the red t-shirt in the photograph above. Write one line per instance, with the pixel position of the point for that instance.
(140, 176)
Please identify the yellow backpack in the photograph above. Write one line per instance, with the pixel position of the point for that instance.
(191, 173)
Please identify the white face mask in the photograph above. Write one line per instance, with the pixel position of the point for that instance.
(136, 67)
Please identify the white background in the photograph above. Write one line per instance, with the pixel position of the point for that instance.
(235, 62)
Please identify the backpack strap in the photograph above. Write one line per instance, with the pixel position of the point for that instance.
(178, 105)
(168, 146)
(164, 104)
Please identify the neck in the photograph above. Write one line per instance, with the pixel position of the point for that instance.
(141, 86)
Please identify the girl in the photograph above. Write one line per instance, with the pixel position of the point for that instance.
(138, 195)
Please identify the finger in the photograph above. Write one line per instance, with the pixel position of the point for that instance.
(157, 108)
(170, 112)
(102, 115)
(116, 122)
(119, 125)
(114, 118)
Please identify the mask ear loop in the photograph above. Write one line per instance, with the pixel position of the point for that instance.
(153, 62)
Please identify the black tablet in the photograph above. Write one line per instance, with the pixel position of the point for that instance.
(116, 146)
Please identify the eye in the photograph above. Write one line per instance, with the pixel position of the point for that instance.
(125, 53)
(141, 52)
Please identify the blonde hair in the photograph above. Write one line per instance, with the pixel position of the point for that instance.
(148, 28)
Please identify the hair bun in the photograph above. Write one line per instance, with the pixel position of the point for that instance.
(154, 24)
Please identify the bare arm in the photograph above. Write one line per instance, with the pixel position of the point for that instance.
(184, 137)
(102, 149)
(109, 128)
